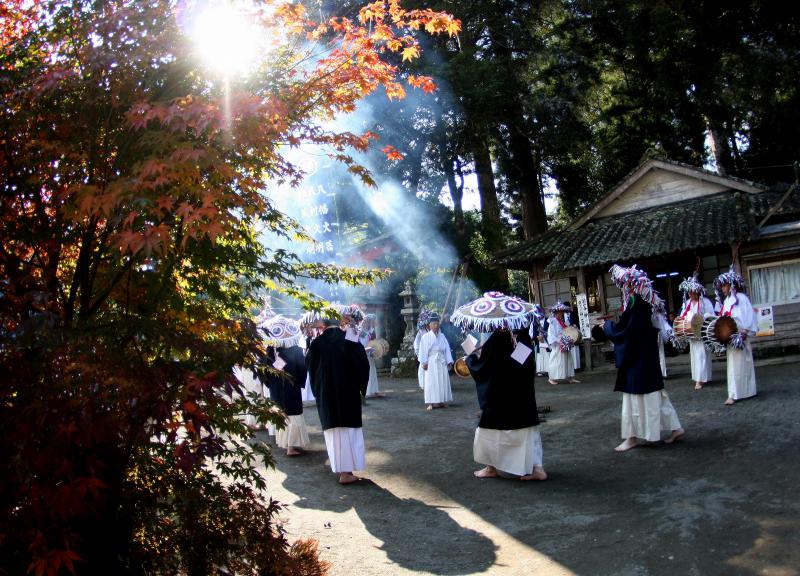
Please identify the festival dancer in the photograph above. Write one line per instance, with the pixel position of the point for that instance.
(646, 407)
(695, 303)
(560, 365)
(365, 336)
(434, 354)
(285, 385)
(422, 329)
(571, 318)
(733, 301)
(339, 373)
(507, 438)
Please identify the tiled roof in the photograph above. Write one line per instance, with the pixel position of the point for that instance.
(789, 208)
(707, 221)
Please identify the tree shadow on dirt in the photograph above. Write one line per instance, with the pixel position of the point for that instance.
(406, 543)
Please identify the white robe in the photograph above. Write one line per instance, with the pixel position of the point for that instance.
(575, 351)
(307, 396)
(542, 359)
(420, 371)
(372, 387)
(699, 355)
(560, 363)
(741, 370)
(434, 351)
(250, 384)
(644, 416)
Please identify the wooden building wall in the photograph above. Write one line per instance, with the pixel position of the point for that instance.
(657, 188)
(787, 331)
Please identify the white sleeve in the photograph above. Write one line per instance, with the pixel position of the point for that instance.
(746, 317)
(553, 332)
(425, 348)
(417, 342)
(708, 307)
(446, 345)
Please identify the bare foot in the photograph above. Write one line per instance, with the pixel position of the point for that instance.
(538, 474)
(488, 472)
(574, 381)
(675, 435)
(348, 478)
(627, 445)
(293, 452)
(729, 402)
(698, 385)
(429, 408)
(553, 382)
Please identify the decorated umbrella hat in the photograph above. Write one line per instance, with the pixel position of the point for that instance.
(559, 306)
(494, 311)
(310, 317)
(692, 285)
(352, 313)
(734, 279)
(282, 332)
(632, 281)
(422, 320)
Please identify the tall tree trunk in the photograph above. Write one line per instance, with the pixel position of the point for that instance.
(524, 171)
(720, 147)
(456, 195)
(491, 225)
(448, 160)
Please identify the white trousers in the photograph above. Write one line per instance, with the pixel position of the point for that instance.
(700, 357)
(741, 372)
(512, 451)
(345, 448)
(644, 416)
(294, 435)
(372, 386)
(560, 364)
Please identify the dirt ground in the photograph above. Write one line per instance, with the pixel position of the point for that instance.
(722, 500)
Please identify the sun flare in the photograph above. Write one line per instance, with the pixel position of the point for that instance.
(227, 40)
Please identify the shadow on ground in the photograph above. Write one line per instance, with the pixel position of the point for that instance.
(721, 501)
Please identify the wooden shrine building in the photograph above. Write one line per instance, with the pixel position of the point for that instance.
(668, 218)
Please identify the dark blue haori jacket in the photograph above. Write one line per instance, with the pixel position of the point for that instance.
(505, 387)
(636, 349)
(286, 389)
(339, 373)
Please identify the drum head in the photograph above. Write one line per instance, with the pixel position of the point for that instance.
(573, 333)
(724, 328)
(380, 347)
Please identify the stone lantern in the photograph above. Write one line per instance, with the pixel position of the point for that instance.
(405, 363)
